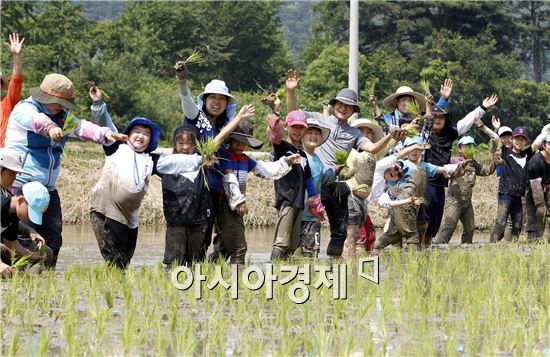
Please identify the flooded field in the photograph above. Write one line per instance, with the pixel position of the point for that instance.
(478, 300)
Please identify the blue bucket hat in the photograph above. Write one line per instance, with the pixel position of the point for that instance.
(155, 131)
(466, 140)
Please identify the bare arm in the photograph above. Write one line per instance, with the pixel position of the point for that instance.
(15, 45)
(292, 81)
(245, 112)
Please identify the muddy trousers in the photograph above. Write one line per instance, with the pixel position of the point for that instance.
(402, 228)
(183, 244)
(287, 232)
(310, 238)
(335, 200)
(207, 240)
(51, 227)
(435, 198)
(534, 225)
(117, 241)
(508, 206)
(457, 211)
(230, 240)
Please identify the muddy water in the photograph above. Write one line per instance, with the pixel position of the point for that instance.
(80, 246)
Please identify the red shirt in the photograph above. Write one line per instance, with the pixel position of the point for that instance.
(8, 102)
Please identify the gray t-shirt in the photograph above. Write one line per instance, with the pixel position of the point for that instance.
(342, 137)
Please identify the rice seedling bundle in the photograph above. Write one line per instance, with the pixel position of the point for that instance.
(413, 108)
(70, 124)
(341, 156)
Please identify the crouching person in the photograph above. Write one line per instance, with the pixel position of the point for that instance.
(27, 206)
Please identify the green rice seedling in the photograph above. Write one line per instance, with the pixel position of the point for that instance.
(341, 156)
(14, 342)
(17, 263)
(412, 132)
(425, 86)
(194, 58)
(413, 108)
(43, 342)
(108, 296)
(207, 149)
(469, 152)
(70, 124)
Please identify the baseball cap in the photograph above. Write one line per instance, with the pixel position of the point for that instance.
(296, 117)
(504, 130)
(413, 141)
(11, 160)
(520, 131)
(38, 198)
(466, 140)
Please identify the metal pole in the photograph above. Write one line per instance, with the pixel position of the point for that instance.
(353, 79)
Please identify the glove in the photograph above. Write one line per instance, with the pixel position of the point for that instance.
(315, 207)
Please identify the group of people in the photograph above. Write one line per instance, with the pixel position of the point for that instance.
(327, 166)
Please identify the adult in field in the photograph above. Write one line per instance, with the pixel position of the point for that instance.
(38, 129)
(215, 107)
(342, 137)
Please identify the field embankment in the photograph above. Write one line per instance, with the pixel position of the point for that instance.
(82, 164)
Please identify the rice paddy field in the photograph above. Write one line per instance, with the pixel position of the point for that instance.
(481, 300)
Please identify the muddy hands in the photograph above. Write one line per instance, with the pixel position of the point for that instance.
(181, 70)
(292, 79)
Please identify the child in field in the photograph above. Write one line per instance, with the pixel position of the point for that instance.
(118, 194)
(15, 210)
(314, 136)
(513, 182)
(458, 204)
(290, 190)
(186, 197)
(406, 182)
(230, 225)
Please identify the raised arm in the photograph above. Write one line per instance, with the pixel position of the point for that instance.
(14, 46)
(245, 112)
(475, 115)
(190, 109)
(99, 109)
(292, 81)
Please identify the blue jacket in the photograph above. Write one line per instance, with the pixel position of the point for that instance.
(27, 133)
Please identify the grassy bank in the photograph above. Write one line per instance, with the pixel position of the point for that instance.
(83, 162)
(486, 301)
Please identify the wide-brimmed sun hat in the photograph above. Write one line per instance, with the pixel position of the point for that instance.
(55, 88)
(244, 133)
(314, 123)
(347, 96)
(369, 123)
(11, 160)
(389, 102)
(217, 86)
